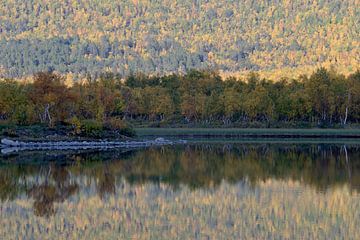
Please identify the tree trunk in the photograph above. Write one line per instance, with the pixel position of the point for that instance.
(47, 113)
(347, 108)
(346, 115)
(347, 161)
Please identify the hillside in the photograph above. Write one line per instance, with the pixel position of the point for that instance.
(166, 36)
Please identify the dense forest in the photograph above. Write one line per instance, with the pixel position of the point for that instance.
(75, 37)
(325, 98)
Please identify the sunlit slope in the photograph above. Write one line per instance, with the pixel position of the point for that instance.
(173, 36)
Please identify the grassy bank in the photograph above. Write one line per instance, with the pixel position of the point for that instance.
(62, 132)
(248, 133)
(89, 130)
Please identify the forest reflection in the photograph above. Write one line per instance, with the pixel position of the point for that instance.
(54, 177)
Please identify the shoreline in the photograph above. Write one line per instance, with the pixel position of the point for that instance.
(9, 146)
(43, 134)
(242, 133)
(146, 137)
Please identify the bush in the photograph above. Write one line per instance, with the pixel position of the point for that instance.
(91, 128)
(128, 131)
(3, 125)
(10, 132)
(76, 125)
(120, 126)
(115, 124)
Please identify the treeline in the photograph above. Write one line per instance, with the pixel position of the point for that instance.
(325, 98)
(167, 36)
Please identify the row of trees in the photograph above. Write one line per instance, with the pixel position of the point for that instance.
(325, 97)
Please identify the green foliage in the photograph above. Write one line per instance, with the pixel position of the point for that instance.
(9, 132)
(120, 126)
(14, 104)
(91, 128)
(127, 131)
(76, 124)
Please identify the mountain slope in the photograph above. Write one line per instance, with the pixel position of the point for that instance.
(165, 36)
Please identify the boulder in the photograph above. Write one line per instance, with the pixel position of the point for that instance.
(9, 142)
(160, 139)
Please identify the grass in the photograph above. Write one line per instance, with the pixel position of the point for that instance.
(248, 132)
(315, 133)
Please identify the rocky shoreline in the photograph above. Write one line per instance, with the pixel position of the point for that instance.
(9, 146)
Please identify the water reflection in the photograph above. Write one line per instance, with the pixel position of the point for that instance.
(49, 178)
(56, 187)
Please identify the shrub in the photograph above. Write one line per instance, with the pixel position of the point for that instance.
(120, 126)
(91, 128)
(115, 124)
(10, 132)
(3, 125)
(76, 125)
(128, 131)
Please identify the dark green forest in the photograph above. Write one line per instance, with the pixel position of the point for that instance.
(198, 98)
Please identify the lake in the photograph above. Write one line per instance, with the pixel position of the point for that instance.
(209, 190)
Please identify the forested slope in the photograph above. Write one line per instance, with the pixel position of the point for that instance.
(166, 36)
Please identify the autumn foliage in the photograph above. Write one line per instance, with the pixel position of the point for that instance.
(325, 98)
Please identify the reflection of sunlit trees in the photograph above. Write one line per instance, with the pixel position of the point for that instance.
(106, 184)
(228, 212)
(44, 196)
(196, 166)
(208, 165)
(8, 186)
(47, 193)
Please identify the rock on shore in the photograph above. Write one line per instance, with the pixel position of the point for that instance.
(9, 145)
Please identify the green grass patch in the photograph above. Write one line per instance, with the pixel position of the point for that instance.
(234, 132)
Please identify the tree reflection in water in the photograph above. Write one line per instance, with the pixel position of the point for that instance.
(56, 177)
(56, 188)
(106, 183)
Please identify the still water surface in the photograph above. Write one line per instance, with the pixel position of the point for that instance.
(199, 191)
